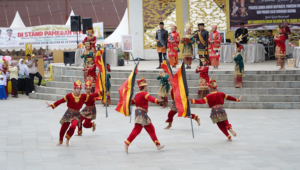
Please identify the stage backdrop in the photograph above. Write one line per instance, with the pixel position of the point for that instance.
(53, 36)
(264, 14)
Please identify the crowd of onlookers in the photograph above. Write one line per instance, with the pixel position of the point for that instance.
(21, 74)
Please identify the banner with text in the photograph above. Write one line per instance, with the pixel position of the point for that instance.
(264, 14)
(45, 35)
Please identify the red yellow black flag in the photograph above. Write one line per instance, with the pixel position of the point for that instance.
(101, 78)
(181, 92)
(126, 92)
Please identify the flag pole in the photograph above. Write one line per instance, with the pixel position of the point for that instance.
(192, 124)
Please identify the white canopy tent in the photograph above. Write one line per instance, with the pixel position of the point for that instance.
(122, 29)
(69, 20)
(17, 22)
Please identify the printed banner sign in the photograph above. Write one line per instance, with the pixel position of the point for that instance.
(45, 35)
(264, 14)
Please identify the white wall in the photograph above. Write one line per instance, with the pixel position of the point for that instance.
(136, 26)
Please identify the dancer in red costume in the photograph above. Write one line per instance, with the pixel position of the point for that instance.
(72, 116)
(174, 110)
(91, 74)
(215, 101)
(91, 39)
(203, 79)
(89, 112)
(142, 119)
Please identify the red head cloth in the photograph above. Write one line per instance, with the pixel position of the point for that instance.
(237, 45)
(90, 30)
(88, 84)
(77, 84)
(108, 68)
(214, 26)
(174, 26)
(212, 83)
(142, 83)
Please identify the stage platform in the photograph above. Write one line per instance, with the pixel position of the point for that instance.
(264, 87)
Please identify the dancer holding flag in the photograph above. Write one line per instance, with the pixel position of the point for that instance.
(142, 119)
(174, 110)
(89, 112)
(215, 101)
(71, 118)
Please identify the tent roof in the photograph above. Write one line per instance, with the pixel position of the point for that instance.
(17, 22)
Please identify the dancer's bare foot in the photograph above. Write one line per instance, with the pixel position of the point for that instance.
(229, 140)
(159, 147)
(232, 132)
(169, 126)
(58, 144)
(79, 134)
(94, 127)
(198, 121)
(126, 148)
(67, 142)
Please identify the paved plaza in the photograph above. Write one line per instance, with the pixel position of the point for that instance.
(266, 140)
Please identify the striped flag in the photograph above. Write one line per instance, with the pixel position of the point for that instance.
(126, 92)
(180, 89)
(101, 78)
(166, 67)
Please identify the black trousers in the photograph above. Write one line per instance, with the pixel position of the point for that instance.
(160, 56)
(14, 85)
(37, 74)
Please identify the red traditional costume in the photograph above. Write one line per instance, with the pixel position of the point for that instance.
(72, 115)
(91, 75)
(89, 112)
(203, 81)
(141, 117)
(280, 50)
(173, 47)
(215, 101)
(174, 110)
(91, 39)
(88, 56)
(214, 46)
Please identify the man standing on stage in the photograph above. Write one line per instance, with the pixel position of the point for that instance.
(243, 32)
(142, 119)
(202, 41)
(162, 42)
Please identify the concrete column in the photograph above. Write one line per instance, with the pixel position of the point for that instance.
(135, 17)
(182, 16)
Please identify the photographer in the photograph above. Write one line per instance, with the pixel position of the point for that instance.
(32, 69)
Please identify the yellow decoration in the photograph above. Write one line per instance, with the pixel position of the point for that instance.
(88, 82)
(28, 49)
(211, 79)
(78, 82)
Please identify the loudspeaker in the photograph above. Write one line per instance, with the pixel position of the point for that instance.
(75, 23)
(69, 57)
(86, 22)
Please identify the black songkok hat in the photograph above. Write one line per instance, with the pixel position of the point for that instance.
(161, 23)
(201, 24)
(242, 23)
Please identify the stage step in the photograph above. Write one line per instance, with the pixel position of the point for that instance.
(262, 89)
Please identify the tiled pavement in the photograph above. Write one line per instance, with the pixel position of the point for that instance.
(266, 140)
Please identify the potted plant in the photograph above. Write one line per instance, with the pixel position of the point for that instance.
(121, 60)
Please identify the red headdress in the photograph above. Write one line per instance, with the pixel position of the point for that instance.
(280, 27)
(88, 84)
(212, 84)
(174, 27)
(142, 83)
(108, 68)
(237, 45)
(90, 30)
(77, 84)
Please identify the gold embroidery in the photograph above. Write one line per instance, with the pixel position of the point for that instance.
(127, 142)
(53, 106)
(146, 96)
(87, 98)
(67, 136)
(201, 38)
(205, 99)
(226, 96)
(76, 98)
(66, 98)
